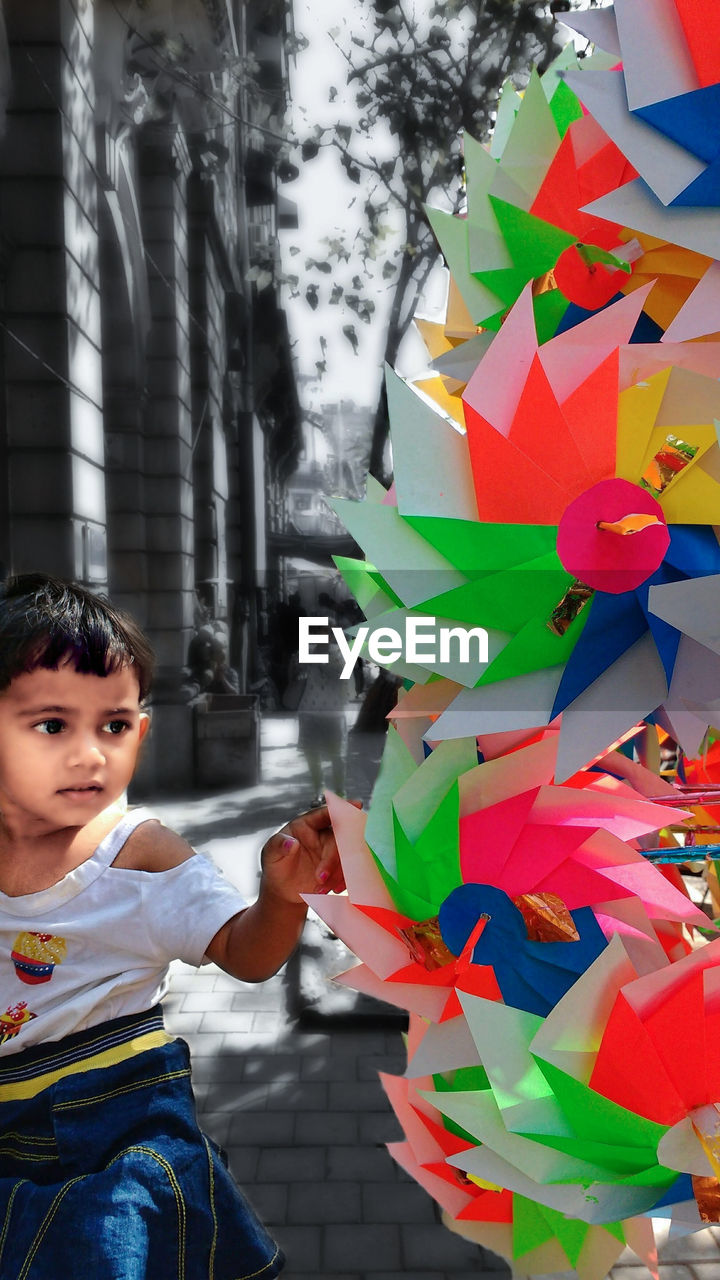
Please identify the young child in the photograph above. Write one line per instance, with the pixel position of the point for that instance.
(104, 1173)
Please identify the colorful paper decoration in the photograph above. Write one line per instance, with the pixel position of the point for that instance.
(520, 526)
(658, 105)
(530, 218)
(451, 841)
(556, 503)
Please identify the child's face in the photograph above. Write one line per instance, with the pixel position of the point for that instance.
(68, 745)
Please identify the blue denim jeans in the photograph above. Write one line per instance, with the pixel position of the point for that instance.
(105, 1175)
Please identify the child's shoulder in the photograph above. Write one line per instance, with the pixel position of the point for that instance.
(153, 847)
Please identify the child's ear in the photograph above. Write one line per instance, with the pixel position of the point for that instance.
(144, 725)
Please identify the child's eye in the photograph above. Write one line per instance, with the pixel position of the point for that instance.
(116, 726)
(50, 726)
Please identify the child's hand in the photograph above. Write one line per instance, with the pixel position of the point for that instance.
(303, 858)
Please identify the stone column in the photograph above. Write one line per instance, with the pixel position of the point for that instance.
(51, 318)
(164, 168)
(208, 345)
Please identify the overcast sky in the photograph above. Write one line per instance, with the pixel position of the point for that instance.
(329, 205)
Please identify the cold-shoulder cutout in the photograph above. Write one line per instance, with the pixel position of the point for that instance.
(152, 847)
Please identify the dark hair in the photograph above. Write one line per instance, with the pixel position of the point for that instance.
(46, 621)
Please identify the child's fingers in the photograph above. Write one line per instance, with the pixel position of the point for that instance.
(329, 872)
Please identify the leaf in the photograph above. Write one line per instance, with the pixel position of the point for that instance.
(389, 269)
(351, 335)
(336, 295)
(311, 296)
(351, 169)
(344, 133)
(332, 95)
(309, 149)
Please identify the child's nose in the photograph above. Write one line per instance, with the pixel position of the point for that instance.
(86, 750)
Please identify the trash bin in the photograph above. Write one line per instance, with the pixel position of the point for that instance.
(227, 740)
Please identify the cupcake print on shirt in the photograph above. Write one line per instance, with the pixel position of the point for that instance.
(35, 956)
(13, 1020)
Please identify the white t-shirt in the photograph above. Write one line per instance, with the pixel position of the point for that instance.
(97, 944)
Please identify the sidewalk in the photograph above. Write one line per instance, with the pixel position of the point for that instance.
(301, 1112)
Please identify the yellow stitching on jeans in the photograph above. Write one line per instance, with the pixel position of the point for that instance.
(251, 1274)
(35, 1140)
(8, 1211)
(177, 1192)
(211, 1181)
(15, 1153)
(116, 1093)
(44, 1225)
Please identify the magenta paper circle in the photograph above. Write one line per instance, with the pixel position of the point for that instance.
(606, 560)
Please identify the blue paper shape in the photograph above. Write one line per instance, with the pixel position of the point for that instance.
(704, 192)
(666, 637)
(531, 975)
(614, 623)
(679, 1190)
(691, 119)
(693, 550)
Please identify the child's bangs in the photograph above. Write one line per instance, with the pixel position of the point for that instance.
(98, 653)
(47, 622)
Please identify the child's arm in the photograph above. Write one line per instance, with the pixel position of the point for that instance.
(302, 858)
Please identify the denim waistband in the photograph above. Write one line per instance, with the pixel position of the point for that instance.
(24, 1074)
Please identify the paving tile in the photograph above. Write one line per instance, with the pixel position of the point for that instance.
(291, 1164)
(243, 1162)
(270, 1066)
(221, 1021)
(262, 996)
(181, 1024)
(326, 1067)
(297, 1096)
(401, 1203)
(346, 1275)
(358, 1043)
(205, 1001)
(316, 1202)
(415, 1275)
(311, 1042)
(356, 1096)
(224, 982)
(267, 1020)
(632, 1273)
(302, 1248)
(492, 1266)
(435, 1246)
(373, 1248)
(200, 1042)
(264, 1128)
(329, 1128)
(216, 1124)
(379, 1127)
(364, 1163)
(699, 1245)
(217, 1066)
(677, 1271)
(391, 1063)
(269, 1200)
(246, 1041)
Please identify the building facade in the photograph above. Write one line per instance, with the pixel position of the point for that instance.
(148, 403)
